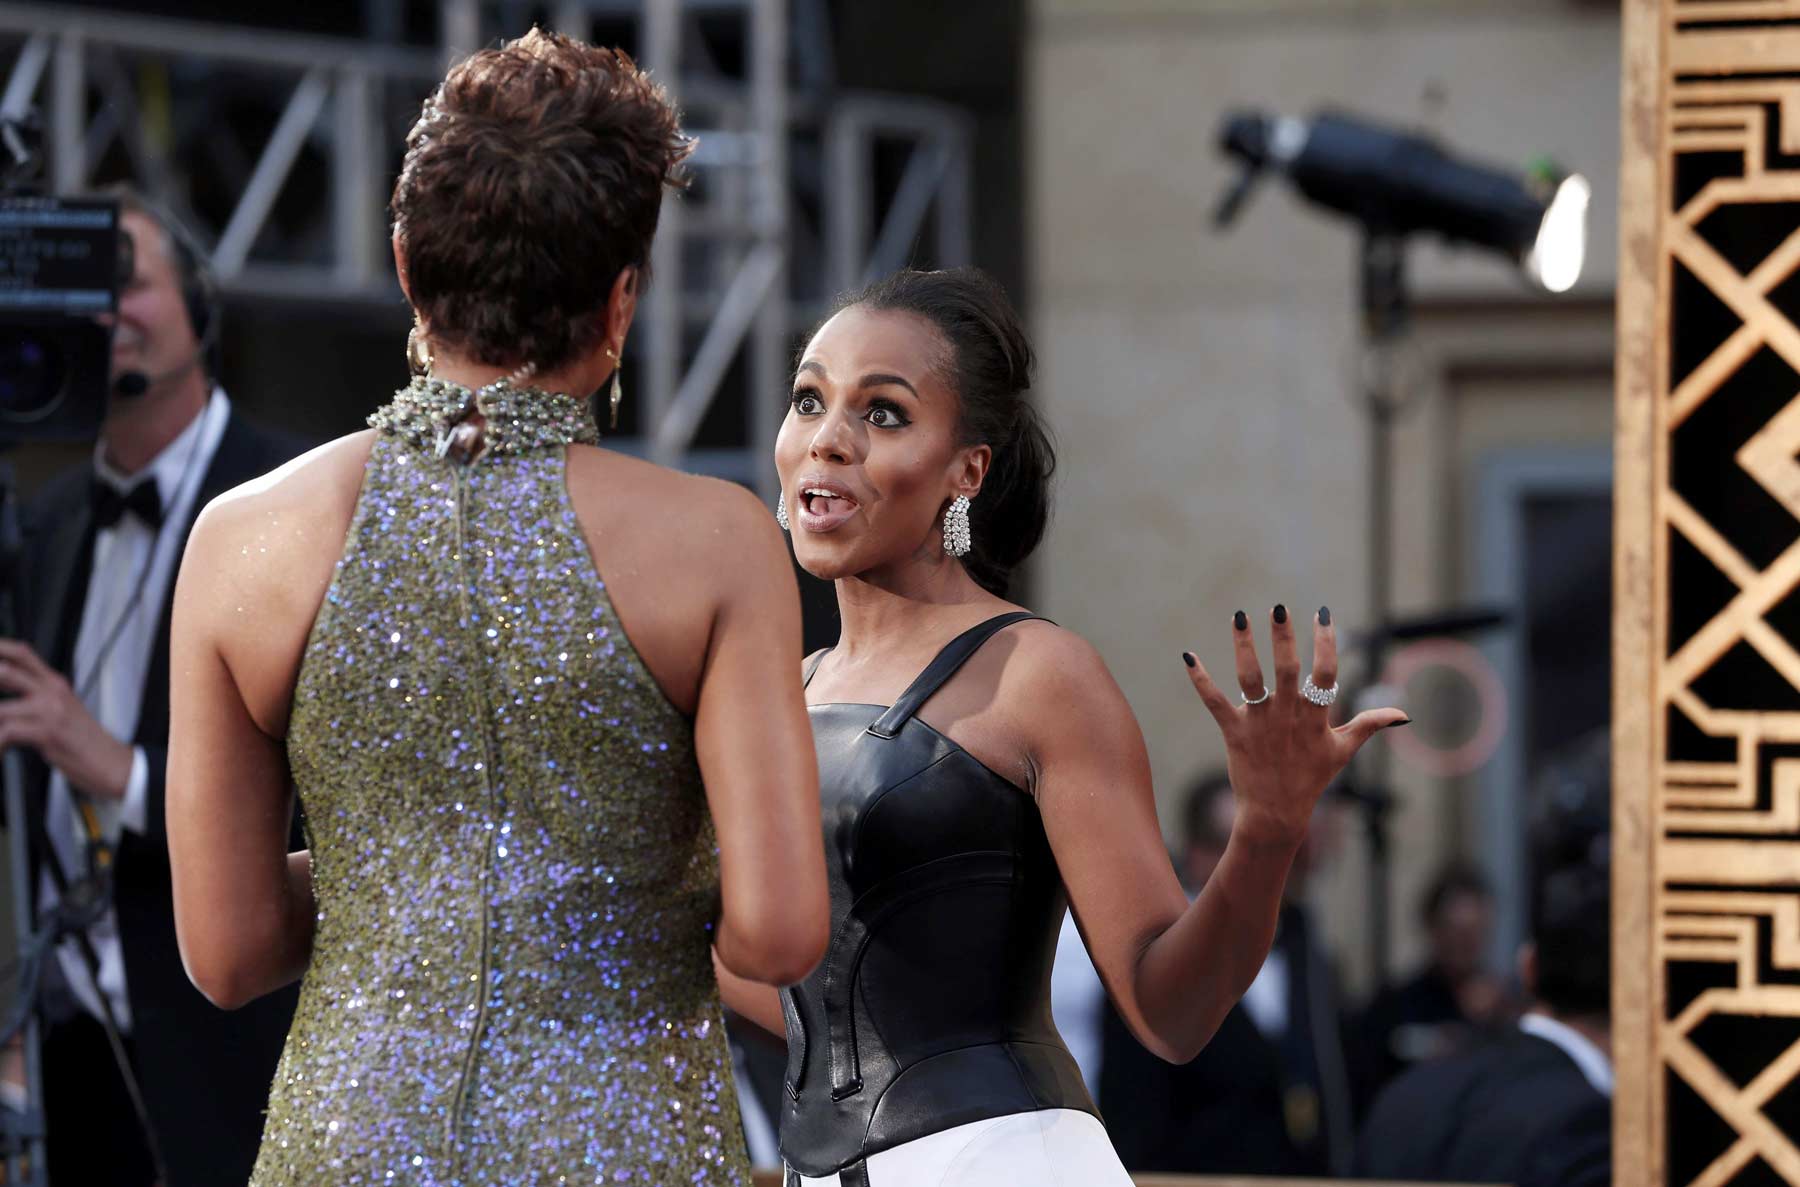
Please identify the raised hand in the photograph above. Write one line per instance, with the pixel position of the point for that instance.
(1281, 749)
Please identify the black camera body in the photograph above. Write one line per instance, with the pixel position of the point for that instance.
(61, 260)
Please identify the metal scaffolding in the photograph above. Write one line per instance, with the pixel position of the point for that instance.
(720, 320)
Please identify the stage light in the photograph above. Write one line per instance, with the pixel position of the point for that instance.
(1399, 183)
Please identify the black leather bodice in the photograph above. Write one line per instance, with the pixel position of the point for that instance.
(931, 1008)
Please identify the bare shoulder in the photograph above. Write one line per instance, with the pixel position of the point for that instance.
(694, 509)
(318, 483)
(1061, 681)
(1052, 655)
(272, 529)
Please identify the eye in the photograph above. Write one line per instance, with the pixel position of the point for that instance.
(886, 416)
(806, 403)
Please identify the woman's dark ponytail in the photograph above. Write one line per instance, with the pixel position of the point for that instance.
(990, 364)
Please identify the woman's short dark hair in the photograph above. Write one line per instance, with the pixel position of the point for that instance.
(988, 365)
(533, 176)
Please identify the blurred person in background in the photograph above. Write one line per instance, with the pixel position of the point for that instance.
(554, 755)
(88, 689)
(1532, 1108)
(1270, 1093)
(1450, 1003)
(977, 764)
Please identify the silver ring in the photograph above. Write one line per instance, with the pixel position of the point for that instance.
(1322, 697)
(1244, 697)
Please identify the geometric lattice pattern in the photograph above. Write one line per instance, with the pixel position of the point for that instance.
(1724, 818)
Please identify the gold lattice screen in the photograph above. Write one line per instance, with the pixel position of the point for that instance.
(1707, 588)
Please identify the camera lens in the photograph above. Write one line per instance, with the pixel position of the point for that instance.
(33, 375)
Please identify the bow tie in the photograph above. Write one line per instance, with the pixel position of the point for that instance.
(142, 500)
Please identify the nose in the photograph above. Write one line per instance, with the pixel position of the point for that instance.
(834, 441)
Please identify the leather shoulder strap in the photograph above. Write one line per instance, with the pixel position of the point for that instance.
(945, 665)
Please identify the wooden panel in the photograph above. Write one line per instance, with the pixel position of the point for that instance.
(1706, 660)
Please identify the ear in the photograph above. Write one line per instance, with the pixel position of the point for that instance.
(399, 246)
(970, 469)
(621, 307)
(1528, 968)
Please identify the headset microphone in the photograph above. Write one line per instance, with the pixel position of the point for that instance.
(134, 383)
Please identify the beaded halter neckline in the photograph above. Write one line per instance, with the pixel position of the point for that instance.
(519, 419)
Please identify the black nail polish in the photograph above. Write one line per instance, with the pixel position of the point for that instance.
(1187, 657)
(1280, 613)
(1403, 721)
(1324, 615)
(1241, 621)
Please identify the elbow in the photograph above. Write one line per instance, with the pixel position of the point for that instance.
(1178, 1043)
(228, 974)
(775, 949)
(224, 984)
(1178, 1053)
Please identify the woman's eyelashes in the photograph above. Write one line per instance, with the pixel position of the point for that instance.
(883, 414)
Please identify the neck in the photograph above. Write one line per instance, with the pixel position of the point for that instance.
(883, 605)
(464, 372)
(138, 428)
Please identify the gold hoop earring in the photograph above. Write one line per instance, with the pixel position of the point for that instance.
(418, 349)
(618, 391)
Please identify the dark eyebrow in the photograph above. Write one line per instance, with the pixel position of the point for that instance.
(882, 380)
(816, 368)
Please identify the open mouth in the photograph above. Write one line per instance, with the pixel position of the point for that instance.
(824, 505)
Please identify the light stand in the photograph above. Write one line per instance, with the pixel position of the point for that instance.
(1396, 184)
(1386, 312)
(22, 1133)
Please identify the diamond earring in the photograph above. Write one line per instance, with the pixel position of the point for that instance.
(418, 349)
(618, 392)
(956, 526)
(781, 511)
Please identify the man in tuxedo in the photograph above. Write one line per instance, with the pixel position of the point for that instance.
(1270, 1094)
(1532, 1108)
(87, 703)
(1451, 1004)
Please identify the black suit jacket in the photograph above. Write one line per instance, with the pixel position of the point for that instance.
(205, 1072)
(1227, 1111)
(1515, 1111)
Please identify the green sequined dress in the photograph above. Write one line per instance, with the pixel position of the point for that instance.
(513, 861)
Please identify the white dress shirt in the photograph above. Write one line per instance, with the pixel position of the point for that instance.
(133, 574)
(1595, 1066)
(1078, 1001)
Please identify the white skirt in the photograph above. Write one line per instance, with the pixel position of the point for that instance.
(1048, 1148)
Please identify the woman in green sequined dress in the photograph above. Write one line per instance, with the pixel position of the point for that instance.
(550, 750)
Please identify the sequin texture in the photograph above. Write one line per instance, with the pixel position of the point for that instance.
(515, 869)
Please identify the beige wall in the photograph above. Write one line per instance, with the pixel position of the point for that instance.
(1199, 383)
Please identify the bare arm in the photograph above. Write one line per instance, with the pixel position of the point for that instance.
(243, 904)
(1172, 968)
(755, 1001)
(755, 748)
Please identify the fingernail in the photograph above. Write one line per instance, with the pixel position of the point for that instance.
(1403, 721)
(1241, 621)
(1324, 615)
(1280, 613)
(1187, 657)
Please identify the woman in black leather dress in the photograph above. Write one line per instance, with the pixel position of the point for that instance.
(980, 768)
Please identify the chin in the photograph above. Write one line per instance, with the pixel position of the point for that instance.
(828, 561)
